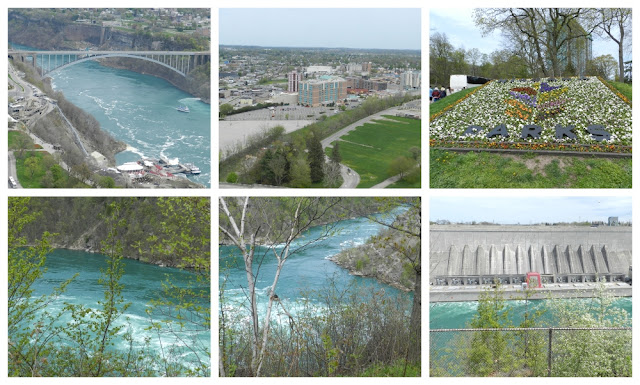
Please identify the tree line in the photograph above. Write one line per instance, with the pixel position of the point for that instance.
(537, 42)
(77, 224)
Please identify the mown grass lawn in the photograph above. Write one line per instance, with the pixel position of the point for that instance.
(404, 184)
(441, 104)
(487, 170)
(13, 138)
(370, 148)
(624, 88)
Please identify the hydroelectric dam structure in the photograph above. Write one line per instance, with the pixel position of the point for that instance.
(465, 260)
(182, 62)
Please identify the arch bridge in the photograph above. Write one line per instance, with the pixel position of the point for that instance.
(182, 62)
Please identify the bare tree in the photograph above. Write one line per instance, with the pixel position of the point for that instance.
(548, 30)
(274, 223)
(331, 174)
(474, 56)
(616, 23)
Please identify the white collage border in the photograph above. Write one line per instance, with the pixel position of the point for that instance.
(425, 193)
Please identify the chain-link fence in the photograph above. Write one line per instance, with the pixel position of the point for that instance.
(516, 352)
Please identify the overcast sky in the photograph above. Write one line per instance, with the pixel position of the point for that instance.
(527, 209)
(458, 25)
(327, 27)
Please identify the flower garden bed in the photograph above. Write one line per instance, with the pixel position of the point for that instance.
(570, 114)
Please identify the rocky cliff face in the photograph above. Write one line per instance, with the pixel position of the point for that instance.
(390, 257)
(196, 83)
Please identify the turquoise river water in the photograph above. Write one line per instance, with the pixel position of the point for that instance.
(455, 315)
(142, 283)
(306, 271)
(140, 110)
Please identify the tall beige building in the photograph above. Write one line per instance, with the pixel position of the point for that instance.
(322, 91)
(294, 81)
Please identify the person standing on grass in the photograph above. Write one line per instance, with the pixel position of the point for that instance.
(436, 94)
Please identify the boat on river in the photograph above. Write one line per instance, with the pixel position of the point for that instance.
(195, 170)
(183, 109)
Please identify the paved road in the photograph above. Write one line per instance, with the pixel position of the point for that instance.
(387, 182)
(12, 169)
(238, 185)
(350, 178)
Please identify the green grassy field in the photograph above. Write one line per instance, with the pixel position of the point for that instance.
(404, 184)
(624, 88)
(486, 170)
(370, 148)
(23, 176)
(441, 104)
(13, 137)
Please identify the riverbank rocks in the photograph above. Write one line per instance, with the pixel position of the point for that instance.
(388, 257)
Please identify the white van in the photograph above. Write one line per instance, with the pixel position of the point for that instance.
(460, 82)
(12, 182)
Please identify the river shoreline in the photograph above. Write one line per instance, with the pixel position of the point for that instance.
(89, 250)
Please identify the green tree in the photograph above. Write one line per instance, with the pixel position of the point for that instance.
(232, 177)
(440, 50)
(300, 173)
(316, 159)
(488, 353)
(47, 180)
(603, 66)
(81, 171)
(591, 353)
(184, 308)
(106, 182)
(22, 143)
(32, 164)
(335, 153)
(225, 109)
(278, 166)
(31, 326)
(400, 166)
(415, 152)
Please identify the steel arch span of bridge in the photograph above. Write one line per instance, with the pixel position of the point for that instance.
(46, 62)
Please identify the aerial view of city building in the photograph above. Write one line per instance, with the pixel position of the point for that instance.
(109, 97)
(321, 110)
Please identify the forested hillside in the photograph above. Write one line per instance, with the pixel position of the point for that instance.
(78, 224)
(262, 211)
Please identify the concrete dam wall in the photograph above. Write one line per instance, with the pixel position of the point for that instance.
(476, 255)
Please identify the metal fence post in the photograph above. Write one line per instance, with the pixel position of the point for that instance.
(550, 352)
